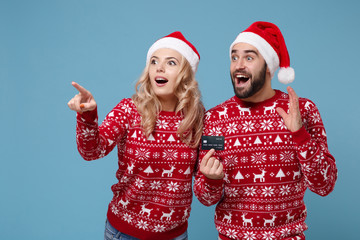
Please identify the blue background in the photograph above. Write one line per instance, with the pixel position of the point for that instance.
(49, 192)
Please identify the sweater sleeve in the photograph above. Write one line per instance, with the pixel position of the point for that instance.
(317, 164)
(207, 191)
(93, 141)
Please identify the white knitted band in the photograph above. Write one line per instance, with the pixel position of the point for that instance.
(178, 45)
(264, 48)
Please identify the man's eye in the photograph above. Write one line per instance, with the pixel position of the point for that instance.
(249, 58)
(234, 58)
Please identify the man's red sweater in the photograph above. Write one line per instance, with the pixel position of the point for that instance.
(267, 168)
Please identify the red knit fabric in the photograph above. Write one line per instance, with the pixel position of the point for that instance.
(153, 195)
(267, 168)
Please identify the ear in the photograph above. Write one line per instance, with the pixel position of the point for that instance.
(269, 76)
(267, 70)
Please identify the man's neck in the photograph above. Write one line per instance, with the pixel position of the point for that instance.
(262, 95)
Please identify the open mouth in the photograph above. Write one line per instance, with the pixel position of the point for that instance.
(161, 80)
(241, 78)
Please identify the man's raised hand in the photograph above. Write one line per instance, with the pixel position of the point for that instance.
(83, 101)
(211, 167)
(292, 119)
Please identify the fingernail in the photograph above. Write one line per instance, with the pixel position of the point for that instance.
(82, 105)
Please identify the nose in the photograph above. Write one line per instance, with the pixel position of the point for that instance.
(160, 67)
(239, 64)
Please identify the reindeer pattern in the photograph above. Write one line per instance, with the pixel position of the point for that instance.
(265, 172)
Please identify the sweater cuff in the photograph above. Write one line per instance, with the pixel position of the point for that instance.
(301, 136)
(213, 182)
(89, 116)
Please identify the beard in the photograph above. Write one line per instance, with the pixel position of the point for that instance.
(255, 85)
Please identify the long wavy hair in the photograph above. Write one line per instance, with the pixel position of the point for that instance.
(189, 104)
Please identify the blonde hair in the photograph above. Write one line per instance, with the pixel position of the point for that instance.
(189, 104)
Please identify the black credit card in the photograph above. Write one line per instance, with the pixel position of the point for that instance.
(215, 142)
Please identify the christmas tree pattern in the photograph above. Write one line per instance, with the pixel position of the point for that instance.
(153, 193)
(267, 168)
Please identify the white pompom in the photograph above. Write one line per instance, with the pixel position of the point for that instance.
(286, 75)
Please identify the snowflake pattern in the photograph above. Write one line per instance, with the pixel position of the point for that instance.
(287, 156)
(316, 117)
(231, 233)
(215, 131)
(142, 154)
(268, 236)
(231, 160)
(232, 128)
(139, 183)
(187, 187)
(267, 191)
(258, 158)
(155, 185)
(177, 124)
(126, 108)
(87, 132)
(127, 217)
(173, 186)
(250, 191)
(244, 159)
(114, 210)
(184, 155)
(141, 187)
(250, 235)
(170, 154)
(272, 157)
(281, 125)
(284, 190)
(142, 224)
(162, 124)
(266, 125)
(159, 228)
(141, 163)
(231, 192)
(285, 232)
(248, 126)
(306, 168)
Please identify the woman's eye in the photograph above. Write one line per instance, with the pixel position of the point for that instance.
(153, 61)
(172, 63)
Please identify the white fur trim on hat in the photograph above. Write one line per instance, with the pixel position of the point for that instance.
(286, 75)
(264, 48)
(178, 45)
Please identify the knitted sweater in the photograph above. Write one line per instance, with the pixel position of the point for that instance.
(153, 194)
(267, 168)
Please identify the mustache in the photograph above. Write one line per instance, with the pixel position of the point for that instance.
(243, 72)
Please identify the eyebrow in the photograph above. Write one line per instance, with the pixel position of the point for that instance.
(247, 51)
(167, 58)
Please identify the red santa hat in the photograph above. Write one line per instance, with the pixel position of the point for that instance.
(177, 41)
(269, 41)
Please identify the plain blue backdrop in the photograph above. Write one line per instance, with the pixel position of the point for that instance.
(49, 192)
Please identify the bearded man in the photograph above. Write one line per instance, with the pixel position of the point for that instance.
(275, 146)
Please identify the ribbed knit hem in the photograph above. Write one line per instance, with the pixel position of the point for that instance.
(213, 182)
(131, 230)
(88, 116)
(301, 136)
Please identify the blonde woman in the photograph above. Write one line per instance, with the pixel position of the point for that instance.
(156, 132)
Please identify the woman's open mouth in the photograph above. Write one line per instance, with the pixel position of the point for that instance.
(160, 81)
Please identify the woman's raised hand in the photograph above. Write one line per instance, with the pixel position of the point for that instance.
(83, 101)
